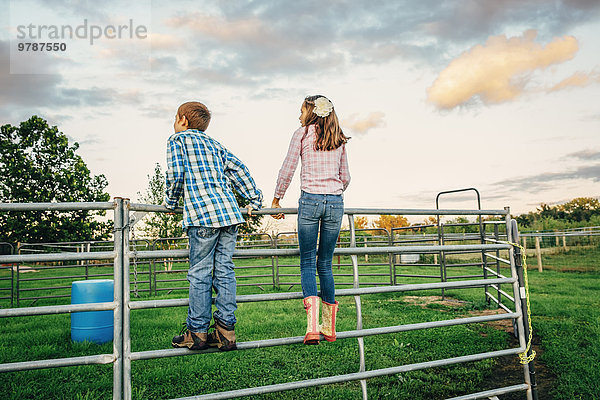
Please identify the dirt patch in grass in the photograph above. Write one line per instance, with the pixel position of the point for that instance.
(424, 301)
(581, 268)
(508, 370)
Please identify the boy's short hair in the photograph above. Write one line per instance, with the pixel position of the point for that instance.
(196, 113)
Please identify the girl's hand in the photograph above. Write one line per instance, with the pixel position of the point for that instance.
(275, 204)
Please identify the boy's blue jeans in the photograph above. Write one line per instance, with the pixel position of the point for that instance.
(316, 212)
(211, 266)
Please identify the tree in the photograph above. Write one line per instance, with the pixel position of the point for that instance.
(430, 221)
(391, 221)
(361, 222)
(37, 164)
(578, 210)
(252, 224)
(159, 225)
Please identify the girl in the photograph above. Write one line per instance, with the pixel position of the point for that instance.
(324, 175)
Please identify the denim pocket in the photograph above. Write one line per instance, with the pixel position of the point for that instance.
(308, 208)
(206, 232)
(335, 211)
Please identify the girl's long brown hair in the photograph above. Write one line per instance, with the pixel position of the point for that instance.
(329, 133)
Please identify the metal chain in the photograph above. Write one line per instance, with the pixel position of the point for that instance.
(135, 273)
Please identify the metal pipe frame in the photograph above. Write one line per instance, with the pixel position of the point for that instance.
(503, 293)
(57, 206)
(119, 223)
(122, 306)
(65, 309)
(354, 376)
(488, 394)
(353, 211)
(357, 302)
(253, 298)
(12, 275)
(358, 333)
(518, 308)
(347, 251)
(58, 362)
(29, 258)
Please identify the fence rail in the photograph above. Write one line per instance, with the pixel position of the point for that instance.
(123, 256)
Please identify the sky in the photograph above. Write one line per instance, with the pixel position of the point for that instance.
(498, 95)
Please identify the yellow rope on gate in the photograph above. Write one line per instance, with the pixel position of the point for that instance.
(525, 359)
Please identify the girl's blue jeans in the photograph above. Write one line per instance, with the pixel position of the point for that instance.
(211, 266)
(324, 213)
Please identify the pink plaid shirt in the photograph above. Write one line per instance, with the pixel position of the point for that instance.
(322, 172)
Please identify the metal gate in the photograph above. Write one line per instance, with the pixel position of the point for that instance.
(123, 255)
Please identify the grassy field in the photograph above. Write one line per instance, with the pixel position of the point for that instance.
(566, 321)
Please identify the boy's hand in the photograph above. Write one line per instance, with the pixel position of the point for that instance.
(275, 204)
(168, 212)
(249, 208)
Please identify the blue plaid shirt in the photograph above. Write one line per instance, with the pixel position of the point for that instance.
(205, 172)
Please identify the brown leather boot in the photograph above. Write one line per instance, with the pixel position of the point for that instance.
(191, 340)
(311, 304)
(223, 337)
(328, 327)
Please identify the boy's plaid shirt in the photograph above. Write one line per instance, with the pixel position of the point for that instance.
(205, 172)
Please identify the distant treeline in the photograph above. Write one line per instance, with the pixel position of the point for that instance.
(579, 212)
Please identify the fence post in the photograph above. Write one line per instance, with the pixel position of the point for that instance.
(529, 367)
(118, 298)
(126, 310)
(442, 257)
(484, 263)
(87, 263)
(564, 240)
(538, 252)
(391, 257)
(18, 275)
(497, 237)
(276, 261)
(356, 284)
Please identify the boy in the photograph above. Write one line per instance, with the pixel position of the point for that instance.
(205, 172)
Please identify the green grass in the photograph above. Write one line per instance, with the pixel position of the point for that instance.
(565, 306)
(566, 317)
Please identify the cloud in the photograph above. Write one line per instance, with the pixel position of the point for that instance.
(549, 180)
(165, 42)
(577, 80)
(168, 64)
(361, 126)
(273, 39)
(25, 95)
(245, 48)
(497, 71)
(248, 29)
(159, 111)
(467, 19)
(586, 155)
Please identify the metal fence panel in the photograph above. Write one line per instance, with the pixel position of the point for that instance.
(125, 256)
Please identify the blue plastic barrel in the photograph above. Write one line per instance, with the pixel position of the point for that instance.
(93, 326)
